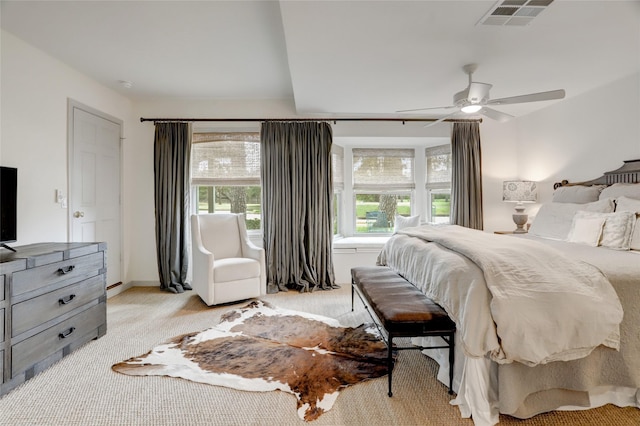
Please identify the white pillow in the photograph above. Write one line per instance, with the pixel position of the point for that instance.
(577, 194)
(554, 220)
(631, 190)
(406, 222)
(625, 204)
(586, 230)
(617, 230)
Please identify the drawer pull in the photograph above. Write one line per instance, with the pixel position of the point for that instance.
(66, 270)
(66, 300)
(65, 334)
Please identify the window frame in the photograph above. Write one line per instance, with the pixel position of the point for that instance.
(437, 187)
(338, 188)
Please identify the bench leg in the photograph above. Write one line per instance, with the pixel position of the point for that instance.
(390, 362)
(352, 294)
(451, 359)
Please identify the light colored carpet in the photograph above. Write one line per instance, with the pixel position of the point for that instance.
(82, 389)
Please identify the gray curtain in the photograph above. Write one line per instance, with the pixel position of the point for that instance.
(172, 152)
(297, 198)
(466, 179)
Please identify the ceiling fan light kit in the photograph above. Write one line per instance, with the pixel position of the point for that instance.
(470, 109)
(475, 99)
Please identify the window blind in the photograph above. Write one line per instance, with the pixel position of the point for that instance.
(225, 159)
(384, 169)
(438, 167)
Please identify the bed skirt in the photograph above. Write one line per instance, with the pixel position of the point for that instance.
(475, 381)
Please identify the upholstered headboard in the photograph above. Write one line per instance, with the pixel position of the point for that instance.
(628, 173)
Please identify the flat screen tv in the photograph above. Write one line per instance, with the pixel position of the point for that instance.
(8, 206)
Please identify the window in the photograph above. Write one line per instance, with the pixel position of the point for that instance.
(383, 184)
(438, 183)
(225, 174)
(337, 166)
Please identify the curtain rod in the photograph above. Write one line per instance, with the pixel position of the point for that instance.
(403, 120)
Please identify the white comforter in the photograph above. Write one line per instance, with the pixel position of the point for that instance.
(513, 299)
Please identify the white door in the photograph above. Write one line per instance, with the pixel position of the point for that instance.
(94, 183)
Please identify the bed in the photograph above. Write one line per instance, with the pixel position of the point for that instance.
(531, 341)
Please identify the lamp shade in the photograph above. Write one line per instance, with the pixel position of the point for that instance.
(519, 191)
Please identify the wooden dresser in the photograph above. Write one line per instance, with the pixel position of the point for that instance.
(52, 300)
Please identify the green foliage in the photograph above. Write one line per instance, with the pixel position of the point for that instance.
(253, 224)
(404, 209)
(442, 207)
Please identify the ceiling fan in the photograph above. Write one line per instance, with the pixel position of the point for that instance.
(475, 99)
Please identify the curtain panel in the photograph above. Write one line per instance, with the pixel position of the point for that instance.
(172, 151)
(466, 179)
(297, 198)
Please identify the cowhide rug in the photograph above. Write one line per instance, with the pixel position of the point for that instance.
(261, 348)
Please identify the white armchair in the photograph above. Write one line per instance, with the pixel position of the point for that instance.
(226, 266)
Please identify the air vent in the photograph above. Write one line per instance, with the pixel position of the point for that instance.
(514, 12)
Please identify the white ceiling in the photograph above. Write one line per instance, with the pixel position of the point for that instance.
(333, 57)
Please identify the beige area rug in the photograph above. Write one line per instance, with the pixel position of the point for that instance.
(260, 348)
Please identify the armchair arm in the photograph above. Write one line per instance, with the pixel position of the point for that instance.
(202, 263)
(252, 251)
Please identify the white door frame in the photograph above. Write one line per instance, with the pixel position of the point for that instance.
(71, 104)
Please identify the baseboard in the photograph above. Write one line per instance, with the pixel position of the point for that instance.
(123, 287)
(114, 290)
(145, 283)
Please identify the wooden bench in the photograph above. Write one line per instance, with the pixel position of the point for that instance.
(401, 310)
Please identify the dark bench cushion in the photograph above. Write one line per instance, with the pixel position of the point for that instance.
(398, 304)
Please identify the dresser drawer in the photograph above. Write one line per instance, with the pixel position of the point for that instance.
(39, 310)
(62, 273)
(31, 350)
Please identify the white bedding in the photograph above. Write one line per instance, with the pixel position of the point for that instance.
(532, 289)
(459, 285)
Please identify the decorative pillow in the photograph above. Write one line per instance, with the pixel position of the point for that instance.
(577, 194)
(625, 204)
(617, 190)
(406, 221)
(586, 230)
(617, 230)
(554, 220)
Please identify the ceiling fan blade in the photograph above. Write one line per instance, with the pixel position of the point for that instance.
(424, 109)
(440, 120)
(495, 115)
(532, 97)
(478, 92)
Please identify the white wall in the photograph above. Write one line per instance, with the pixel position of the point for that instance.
(582, 137)
(499, 163)
(33, 137)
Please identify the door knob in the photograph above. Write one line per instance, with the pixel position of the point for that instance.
(79, 214)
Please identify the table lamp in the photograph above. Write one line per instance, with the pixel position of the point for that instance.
(519, 192)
